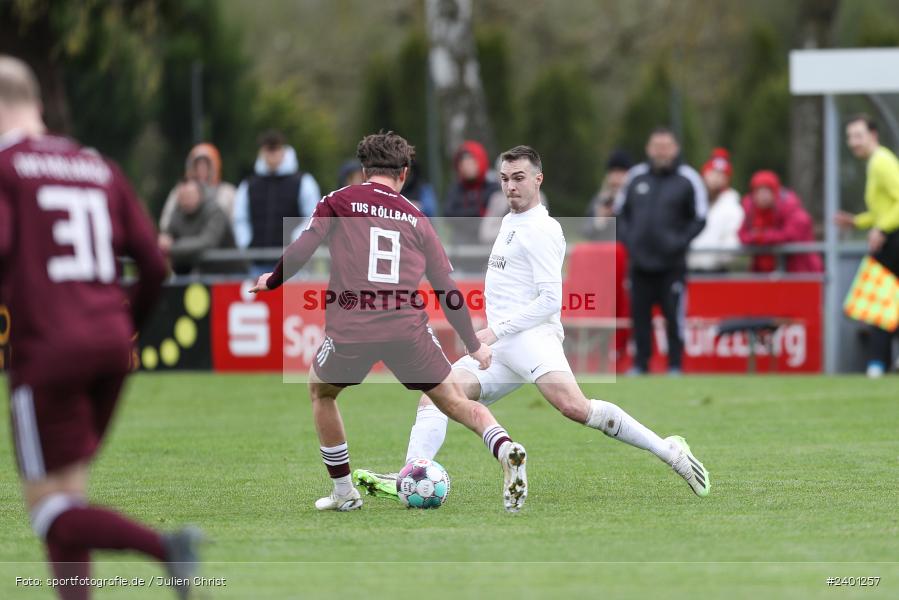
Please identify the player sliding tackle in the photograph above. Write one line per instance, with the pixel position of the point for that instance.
(526, 265)
(382, 245)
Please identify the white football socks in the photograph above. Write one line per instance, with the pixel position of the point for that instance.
(616, 423)
(343, 486)
(427, 434)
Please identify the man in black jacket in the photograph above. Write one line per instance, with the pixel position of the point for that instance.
(660, 208)
(278, 189)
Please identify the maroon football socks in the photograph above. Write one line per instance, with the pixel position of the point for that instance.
(78, 530)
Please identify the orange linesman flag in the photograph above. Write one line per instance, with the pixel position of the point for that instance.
(874, 296)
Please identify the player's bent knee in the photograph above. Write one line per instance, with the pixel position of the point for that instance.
(71, 480)
(48, 508)
(573, 406)
(576, 411)
(320, 391)
(472, 391)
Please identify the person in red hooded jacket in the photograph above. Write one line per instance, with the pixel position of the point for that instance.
(468, 197)
(774, 215)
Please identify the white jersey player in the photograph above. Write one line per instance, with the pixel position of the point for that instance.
(523, 293)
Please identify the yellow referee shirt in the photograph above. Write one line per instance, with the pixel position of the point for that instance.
(881, 193)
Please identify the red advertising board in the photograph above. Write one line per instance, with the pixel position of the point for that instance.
(796, 344)
(252, 332)
(277, 330)
(265, 332)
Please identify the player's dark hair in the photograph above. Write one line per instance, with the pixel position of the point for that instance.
(865, 118)
(18, 83)
(271, 139)
(385, 153)
(519, 152)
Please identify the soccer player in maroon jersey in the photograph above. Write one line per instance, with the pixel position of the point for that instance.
(65, 214)
(381, 246)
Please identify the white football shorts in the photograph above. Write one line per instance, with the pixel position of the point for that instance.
(518, 359)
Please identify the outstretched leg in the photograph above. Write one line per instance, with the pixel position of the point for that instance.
(562, 391)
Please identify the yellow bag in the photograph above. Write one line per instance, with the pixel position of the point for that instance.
(874, 296)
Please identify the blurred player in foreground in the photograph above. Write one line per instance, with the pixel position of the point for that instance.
(66, 213)
(523, 294)
(381, 245)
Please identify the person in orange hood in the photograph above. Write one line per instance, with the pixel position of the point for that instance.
(774, 215)
(203, 164)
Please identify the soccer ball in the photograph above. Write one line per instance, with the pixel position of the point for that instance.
(423, 483)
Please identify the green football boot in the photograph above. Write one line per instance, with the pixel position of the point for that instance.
(379, 485)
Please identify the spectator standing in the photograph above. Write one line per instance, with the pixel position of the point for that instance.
(350, 174)
(419, 191)
(661, 208)
(277, 189)
(598, 226)
(725, 216)
(774, 215)
(197, 224)
(881, 219)
(203, 164)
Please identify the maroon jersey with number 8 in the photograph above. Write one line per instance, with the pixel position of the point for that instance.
(381, 246)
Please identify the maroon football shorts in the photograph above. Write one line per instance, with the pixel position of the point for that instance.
(58, 424)
(419, 362)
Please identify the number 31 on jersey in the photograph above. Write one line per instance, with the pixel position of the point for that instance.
(87, 230)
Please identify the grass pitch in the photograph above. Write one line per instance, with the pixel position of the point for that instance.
(804, 487)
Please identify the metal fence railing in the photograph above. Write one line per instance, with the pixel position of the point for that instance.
(320, 262)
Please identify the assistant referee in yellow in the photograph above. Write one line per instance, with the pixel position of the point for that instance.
(881, 217)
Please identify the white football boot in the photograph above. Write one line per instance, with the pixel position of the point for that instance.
(688, 466)
(513, 458)
(351, 501)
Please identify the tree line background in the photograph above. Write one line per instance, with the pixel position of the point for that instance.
(574, 79)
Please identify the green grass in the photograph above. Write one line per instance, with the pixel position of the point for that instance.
(804, 476)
